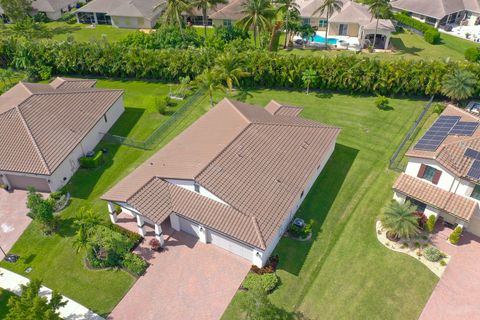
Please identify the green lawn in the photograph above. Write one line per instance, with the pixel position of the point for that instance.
(344, 273)
(4, 296)
(52, 258)
(407, 45)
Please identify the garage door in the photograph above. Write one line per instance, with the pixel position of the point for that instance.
(22, 182)
(231, 245)
(474, 226)
(188, 227)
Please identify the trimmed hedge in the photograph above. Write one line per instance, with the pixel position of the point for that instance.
(266, 282)
(92, 162)
(455, 235)
(472, 54)
(430, 34)
(134, 263)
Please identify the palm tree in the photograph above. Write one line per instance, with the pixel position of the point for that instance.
(378, 9)
(399, 220)
(209, 81)
(459, 84)
(308, 77)
(257, 15)
(229, 68)
(205, 5)
(173, 12)
(287, 7)
(329, 7)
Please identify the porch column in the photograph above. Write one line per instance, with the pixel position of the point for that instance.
(257, 258)
(175, 222)
(159, 234)
(113, 214)
(5, 181)
(387, 41)
(202, 234)
(95, 17)
(141, 224)
(437, 23)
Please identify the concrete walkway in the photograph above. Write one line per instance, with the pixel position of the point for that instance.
(71, 311)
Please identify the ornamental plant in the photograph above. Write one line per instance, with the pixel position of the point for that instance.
(433, 254)
(455, 235)
(266, 282)
(432, 219)
(399, 220)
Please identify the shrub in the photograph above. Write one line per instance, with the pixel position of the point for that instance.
(438, 108)
(455, 235)
(165, 37)
(381, 102)
(33, 200)
(432, 36)
(472, 54)
(443, 263)
(134, 237)
(301, 232)
(432, 219)
(134, 264)
(92, 162)
(432, 254)
(230, 33)
(266, 282)
(154, 244)
(58, 194)
(161, 106)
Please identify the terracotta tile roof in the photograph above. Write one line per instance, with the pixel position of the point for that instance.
(256, 162)
(49, 123)
(69, 83)
(434, 196)
(275, 108)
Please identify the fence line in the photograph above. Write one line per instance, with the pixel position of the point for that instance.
(158, 134)
(394, 164)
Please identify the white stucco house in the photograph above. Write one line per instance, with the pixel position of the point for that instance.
(235, 178)
(46, 128)
(53, 9)
(442, 177)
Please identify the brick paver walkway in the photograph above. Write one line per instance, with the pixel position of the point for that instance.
(457, 294)
(190, 280)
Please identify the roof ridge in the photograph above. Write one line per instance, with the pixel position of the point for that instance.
(238, 111)
(25, 87)
(258, 232)
(35, 145)
(69, 91)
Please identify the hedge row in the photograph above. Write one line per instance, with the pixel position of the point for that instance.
(354, 74)
(92, 162)
(430, 34)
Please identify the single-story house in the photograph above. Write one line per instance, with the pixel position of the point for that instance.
(46, 128)
(352, 22)
(442, 177)
(234, 178)
(439, 13)
(134, 14)
(53, 9)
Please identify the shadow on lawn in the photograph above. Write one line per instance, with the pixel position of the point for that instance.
(316, 206)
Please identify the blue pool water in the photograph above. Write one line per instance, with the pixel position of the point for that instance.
(320, 39)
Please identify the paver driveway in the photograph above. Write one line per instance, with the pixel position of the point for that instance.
(457, 294)
(13, 217)
(190, 280)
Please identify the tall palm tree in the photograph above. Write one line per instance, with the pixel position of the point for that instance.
(399, 219)
(287, 7)
(229, 68)
(329, 7)
(257, 15)
(459, 84)
(209, 81)
(173, 12)
(205, 5)
(378, 9)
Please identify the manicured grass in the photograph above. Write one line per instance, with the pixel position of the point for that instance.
(344, 273)
(53, 258)
(4, 296)
(407, 45)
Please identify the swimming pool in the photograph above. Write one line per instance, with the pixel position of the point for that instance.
(320, 39)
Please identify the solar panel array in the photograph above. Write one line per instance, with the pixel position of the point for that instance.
(437, 133)
(464, 128)
(474, 154)
(474, 171)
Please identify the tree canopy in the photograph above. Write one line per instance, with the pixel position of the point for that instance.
(17, 10)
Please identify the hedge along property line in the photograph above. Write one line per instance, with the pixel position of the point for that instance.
(430, 34)
(265, 69)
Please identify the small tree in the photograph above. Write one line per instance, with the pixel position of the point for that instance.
(455, 235)
(29, 305)
(17, 10)
(210, 81)
(381, 102)
(33, 200)
(459, 84)
(309, 77)
(432, 219)
(399, 220)
(44, 215)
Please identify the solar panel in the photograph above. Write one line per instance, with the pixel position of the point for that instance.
(437, 133)
(464, 128)
(474, 171)
(472, 154)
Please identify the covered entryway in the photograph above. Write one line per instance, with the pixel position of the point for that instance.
(23, 182)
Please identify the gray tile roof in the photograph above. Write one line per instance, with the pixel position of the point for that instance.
(435, 8)
(43, 124)
(147, 9)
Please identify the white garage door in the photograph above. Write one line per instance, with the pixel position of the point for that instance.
(188, 227)
(231, 245)
(22, 182)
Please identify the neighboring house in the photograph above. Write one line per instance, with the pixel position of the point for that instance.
(439, 13)
(53, 9)
(134, 14)
(443, 172)
(234, 178)
(46, 128)
(352, 21)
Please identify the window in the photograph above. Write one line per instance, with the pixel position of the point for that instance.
(301, 195)
(429, 173)
(476, 192)
(227, 23)
(343, 29)
(86, 17)
(322, 23)
(420, 205)
(306, 21)
(105, 117)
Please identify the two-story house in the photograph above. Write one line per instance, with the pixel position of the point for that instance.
(443, 172)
